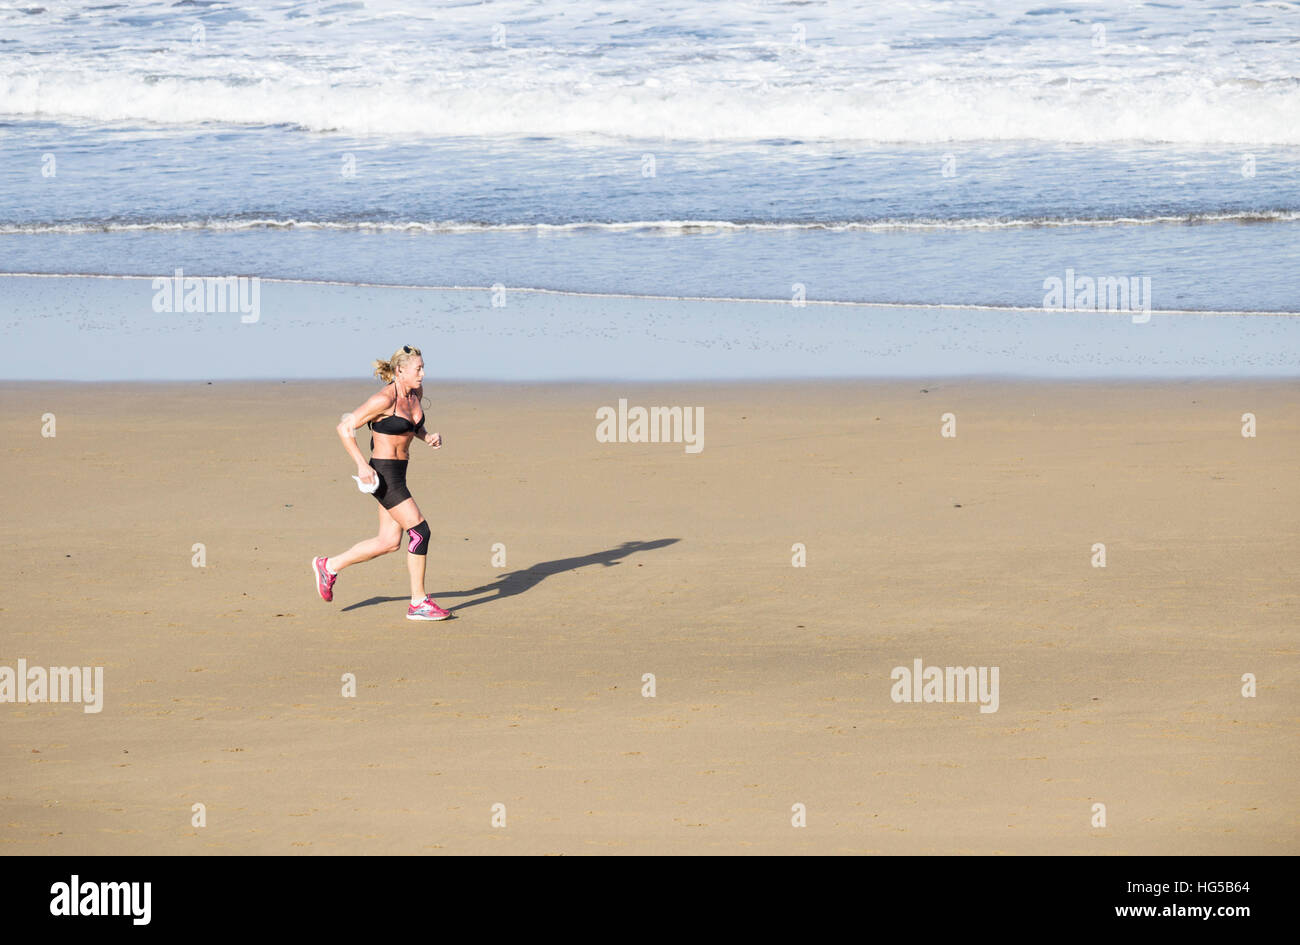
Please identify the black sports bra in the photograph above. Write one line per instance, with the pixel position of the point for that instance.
(395, 424)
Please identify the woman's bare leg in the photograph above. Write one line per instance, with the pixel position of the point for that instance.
(407, 515)
(388, 540)
(415, 566)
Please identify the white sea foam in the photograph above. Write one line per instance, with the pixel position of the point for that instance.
(633, 226)
(1107, 71)
(933, 111)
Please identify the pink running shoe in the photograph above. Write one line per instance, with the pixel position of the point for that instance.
(324, 580)
(427, 609)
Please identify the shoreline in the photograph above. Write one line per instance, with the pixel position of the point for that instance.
(120, 329)
(635, 296)
(730, 382)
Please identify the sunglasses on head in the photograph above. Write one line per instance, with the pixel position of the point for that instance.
(409, 350)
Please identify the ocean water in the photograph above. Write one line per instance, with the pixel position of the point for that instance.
(912, 153)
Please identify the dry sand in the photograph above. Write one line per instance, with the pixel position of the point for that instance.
(1119, 686)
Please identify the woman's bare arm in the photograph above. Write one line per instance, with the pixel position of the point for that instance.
(433, 439)
(374, 407)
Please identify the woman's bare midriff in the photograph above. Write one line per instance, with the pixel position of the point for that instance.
(390, 446)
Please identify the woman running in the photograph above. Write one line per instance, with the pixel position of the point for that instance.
(391, 416)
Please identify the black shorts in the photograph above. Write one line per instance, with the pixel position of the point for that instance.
(392, 489)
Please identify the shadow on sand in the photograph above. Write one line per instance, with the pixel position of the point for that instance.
(517, 582)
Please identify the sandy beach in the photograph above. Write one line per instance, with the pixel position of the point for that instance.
(1120, 686)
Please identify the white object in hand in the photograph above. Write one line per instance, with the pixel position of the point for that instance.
(367, 488)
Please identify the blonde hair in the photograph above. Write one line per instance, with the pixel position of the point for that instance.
(387, 370)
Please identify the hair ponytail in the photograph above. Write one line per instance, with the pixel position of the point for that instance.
(386, 371)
